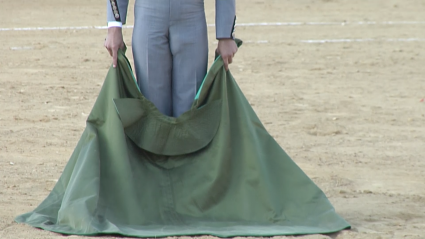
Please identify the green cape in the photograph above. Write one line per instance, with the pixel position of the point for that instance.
(214, 170)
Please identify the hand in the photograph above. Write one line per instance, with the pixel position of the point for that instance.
(227, 48)
(113, 42)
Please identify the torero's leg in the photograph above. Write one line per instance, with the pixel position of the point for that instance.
(151, 51)
(189, 47)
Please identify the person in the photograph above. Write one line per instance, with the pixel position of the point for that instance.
(170, 46)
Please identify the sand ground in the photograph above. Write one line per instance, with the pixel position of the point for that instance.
(349, 112)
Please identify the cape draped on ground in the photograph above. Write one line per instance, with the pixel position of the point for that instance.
(214, 170)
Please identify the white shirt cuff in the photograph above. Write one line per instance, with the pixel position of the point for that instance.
(114, 24)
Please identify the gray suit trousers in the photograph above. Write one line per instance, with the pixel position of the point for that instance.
(170, 49)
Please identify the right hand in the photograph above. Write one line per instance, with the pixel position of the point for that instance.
(114, 41)
(227, 48)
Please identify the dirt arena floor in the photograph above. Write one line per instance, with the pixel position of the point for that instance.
(342, 93)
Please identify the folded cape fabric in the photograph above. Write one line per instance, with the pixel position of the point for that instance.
(214, 170)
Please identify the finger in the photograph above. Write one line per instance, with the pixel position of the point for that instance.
(226, 63)
(114, 58)
(230, 60)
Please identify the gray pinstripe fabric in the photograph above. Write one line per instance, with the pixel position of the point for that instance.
(170, 48)
(122, 8)
(224, 18)
(225, 15)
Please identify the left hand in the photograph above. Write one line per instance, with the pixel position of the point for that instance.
(227, 48)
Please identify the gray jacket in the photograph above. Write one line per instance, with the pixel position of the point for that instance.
(224, 19)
